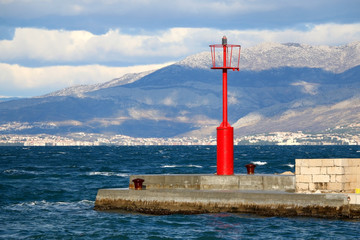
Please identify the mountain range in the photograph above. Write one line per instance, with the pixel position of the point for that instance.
(280, 87)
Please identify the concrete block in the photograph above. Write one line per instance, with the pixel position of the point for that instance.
(279, 183)
(335, 170)
(350, 178)
(251, 182)
(312, 187)
(301, 187)
(218, 182)
(327, 162)
(340, 178)
(297, 170)
(323, 170)
(354, 162)
(333, 178)
(182, 181)
(352, 170)
(314, 162)
(341, 162)
(302, 162)
(335, 186)
(303, 178)
(321, 178)
(353, 186)
(349, 187)
(310, 170)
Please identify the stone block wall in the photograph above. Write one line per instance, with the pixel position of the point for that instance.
(327, 175)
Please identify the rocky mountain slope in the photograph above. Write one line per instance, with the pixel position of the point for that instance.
(280, 87)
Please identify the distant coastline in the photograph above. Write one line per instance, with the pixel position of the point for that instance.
(95, 139)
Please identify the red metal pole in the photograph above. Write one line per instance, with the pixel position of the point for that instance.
(225, 123)
(225, 133)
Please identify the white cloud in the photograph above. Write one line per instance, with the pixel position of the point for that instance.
(170, 100)
(74, 46)
(151, 114)
(39, 8)
(64, 48)
(248, 120)
(82, 46)
(13, 76)
(309, 88)
(232, 98)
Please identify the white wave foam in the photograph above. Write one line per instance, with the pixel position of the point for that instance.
(290, 165)
(260, 163)
(169, 166)
(108, 174)
(181, 166)
(19, 172)
(196, 166)
(39, 205)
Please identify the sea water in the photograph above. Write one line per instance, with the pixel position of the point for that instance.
(49, 193)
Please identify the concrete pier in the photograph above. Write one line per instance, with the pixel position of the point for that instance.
(268, 195)
(266, 182)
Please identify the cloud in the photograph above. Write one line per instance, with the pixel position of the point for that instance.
(72, 47)
(39, 8)
(309, 88)
(45, 79)
(81, 46)
(170, 100)
(59, 50)
(248, 120)
(151, 114)
(232, 98)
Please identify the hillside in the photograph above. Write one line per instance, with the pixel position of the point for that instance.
(280, 87)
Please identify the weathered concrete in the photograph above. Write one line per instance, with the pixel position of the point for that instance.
(217, 182)
(269, 195)
(190, 201)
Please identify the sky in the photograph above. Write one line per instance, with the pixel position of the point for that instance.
(48, 45)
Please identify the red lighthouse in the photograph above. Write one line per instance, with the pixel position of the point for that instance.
(225, 56)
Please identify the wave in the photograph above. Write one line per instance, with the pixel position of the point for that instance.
(181, 166)
(46, 205)
(20, 172)
(108, 174)
(290, 165)
(259, 163)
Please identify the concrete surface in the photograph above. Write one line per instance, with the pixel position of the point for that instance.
(190, 201)
(216, 182)
(269, 195)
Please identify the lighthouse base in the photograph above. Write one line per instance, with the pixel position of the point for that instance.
(225, 150)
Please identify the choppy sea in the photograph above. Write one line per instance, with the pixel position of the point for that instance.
(49, 193)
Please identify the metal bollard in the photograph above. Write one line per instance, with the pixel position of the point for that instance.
(250, 168)
(138, 183)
